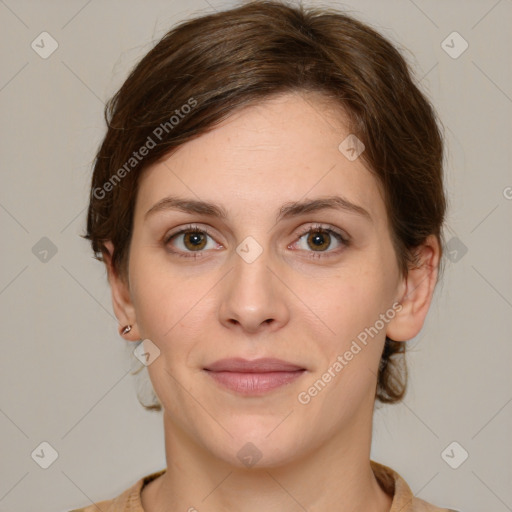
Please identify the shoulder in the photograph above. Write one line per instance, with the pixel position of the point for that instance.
(118, 504)
(403, 498)
(104, 506)
(128, 501)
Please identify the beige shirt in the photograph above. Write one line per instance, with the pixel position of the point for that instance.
(390, 481)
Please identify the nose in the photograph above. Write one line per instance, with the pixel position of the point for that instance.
(253, 297)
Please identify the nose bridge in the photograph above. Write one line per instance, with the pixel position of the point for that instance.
(252, 296)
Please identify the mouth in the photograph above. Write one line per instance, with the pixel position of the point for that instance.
(255, 377)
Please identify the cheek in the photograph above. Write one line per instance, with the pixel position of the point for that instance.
(356, 299)
(353, 312)
(354, 308)
(170, 308)
(157, 293)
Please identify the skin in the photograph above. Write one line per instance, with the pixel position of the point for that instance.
(314, 456)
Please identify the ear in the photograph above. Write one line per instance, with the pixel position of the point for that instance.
(121, 298)
(416, 292)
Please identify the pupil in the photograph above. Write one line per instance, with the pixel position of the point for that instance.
(196, 238)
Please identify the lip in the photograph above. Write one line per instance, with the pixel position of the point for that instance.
(262, 365)
(255, 377)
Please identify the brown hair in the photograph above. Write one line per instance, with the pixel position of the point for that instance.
(204, 69)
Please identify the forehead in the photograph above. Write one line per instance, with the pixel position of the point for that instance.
(282, 149)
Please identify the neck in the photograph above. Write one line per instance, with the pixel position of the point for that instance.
(334, 476)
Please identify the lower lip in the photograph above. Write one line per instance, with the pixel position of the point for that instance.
(254, 383)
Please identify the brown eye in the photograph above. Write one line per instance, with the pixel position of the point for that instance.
(194, 240)
(319, 239)
(189, 242)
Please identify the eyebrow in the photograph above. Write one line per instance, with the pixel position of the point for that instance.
(288, 210)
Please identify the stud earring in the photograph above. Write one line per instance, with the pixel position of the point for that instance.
(127, 329)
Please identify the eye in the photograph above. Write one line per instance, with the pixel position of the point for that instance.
(191, 239)
(321, 238)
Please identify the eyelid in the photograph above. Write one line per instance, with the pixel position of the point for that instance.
(186, 229)
(327, 228)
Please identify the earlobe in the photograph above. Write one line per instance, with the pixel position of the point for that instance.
(417, 290)
(121, 299)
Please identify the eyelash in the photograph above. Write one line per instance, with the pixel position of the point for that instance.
(317, 228)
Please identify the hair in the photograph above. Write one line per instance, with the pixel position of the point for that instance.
(206, 68)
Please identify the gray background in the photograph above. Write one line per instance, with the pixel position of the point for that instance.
(64, 370)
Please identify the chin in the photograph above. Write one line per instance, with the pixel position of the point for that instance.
(258, 445)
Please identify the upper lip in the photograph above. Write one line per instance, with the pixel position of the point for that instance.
(261, 365)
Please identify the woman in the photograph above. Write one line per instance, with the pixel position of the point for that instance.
(268, 201)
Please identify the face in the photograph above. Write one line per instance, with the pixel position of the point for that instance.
(316, 288)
